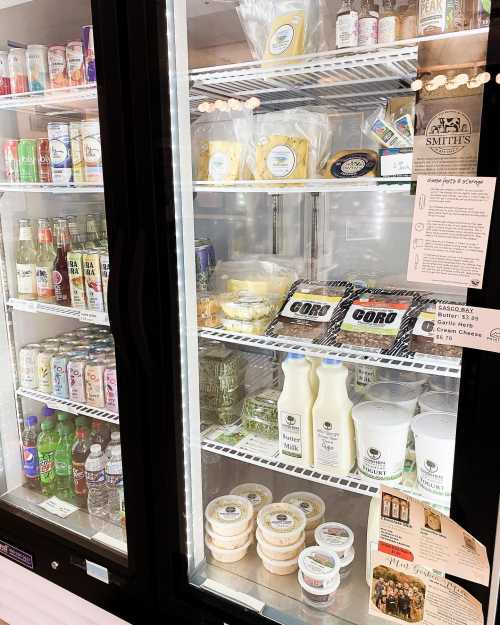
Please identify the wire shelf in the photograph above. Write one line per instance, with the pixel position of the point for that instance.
(53, 101)
(85, 316)
(396, 184)
(43, 187)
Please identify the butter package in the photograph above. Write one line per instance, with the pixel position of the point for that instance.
(380, 129)
(422, 335)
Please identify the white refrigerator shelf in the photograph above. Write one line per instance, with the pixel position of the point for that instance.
(85, 316)
(395, 184)
(76, 99)
(46, 187)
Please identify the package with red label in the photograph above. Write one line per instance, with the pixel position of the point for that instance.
(422, 335)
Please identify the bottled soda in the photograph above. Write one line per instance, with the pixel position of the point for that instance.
(79, 454)
(114, 482)
(47, 445)
(26, 261)
(63, 419)
(97, 497)
(45, 262)
(83, 422)
(64, 461)
(30, 453)
(60, 274)
(99, 433)
(115, 441)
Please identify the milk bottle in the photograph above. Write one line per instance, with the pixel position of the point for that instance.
(333, 428)
(294, 412)
(313, 375)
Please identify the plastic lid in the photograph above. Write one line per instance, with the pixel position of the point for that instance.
(310, 504)
(47, 412)
(380, 414)
(295, 357)
(281, 518)
(257, 494)
(335, 536)
(95, 448)
(47, 425)
(319, 563)
(332, 362)
(392, 392)
(115, 436)
(440, 425)
(31, 420)
(439, 401)
(229, 509)
(314, 590)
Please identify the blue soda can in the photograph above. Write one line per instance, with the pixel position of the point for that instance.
(211, 251)
(89, 52)
(60, 152)
(202, 267)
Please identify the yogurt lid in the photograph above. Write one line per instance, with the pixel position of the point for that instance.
(440, 425)
(314, 590)
(257, 494)
(319, 563)
(392, 392)
(348, 558)
(281, 518)
(408, 377)
(335, 536)
(229, 509)
(310, 504)
(380, 414)
(439, 401)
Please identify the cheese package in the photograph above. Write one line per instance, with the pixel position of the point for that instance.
(382, 130)
(422, 336)
(351, 164)
(260, 278)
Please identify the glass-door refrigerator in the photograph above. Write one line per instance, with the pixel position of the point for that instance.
(309, 379)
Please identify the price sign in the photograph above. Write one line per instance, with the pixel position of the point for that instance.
(56, 506)
(467, 326)
(94, 316)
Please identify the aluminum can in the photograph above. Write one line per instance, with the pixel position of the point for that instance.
(27, 152)
(28, 365)
(94, 382)
(89, 53)
(4, 73)
(43, 160)
(60, 152)
(75, 63)
(59, 374)
(93, 282)
(11, 158)
(76, 378)
(37, 65)
(44, 368)
(202, 257)
(110, 389)
(18, 72)
(58, 73)
(75, 133)
(92, 154)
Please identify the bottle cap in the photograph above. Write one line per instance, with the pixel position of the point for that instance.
(47, 425)
(332, 361)
(95, 448)
(47, 412)
(31, 420)
(295, 357)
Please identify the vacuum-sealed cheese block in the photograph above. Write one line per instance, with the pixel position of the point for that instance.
(351, 164)
(282, 156)
(286, 36)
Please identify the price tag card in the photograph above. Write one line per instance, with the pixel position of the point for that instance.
(25, 305)
(467, 326)
(57, 506)
(94, 316)
(59, 406)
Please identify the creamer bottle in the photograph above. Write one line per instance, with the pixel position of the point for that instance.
(294, 412)
(334, 448)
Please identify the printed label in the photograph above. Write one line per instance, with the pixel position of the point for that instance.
(79, 478)
(44, 284)
(306, 506)
(94, 478)
(254, 498)
(30, 462)
(368, 31)
(379, 466)
(63, 469)
(388, 29)
(281, 521)
(347, 30)
(334, 536)
(290, 434)
(308, 306)
(432, 478)
(327, 445)
(47, 466)
(281, 39)
(16, 555)
(365, 374)
(374, 317)
(281, 161)
(113, 480)
(228, 513)
(319, 563)
(218, 166)
(424, 325)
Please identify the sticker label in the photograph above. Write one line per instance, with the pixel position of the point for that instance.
(290, 434)
(334, 535)
(319, 563)
(281, 521)
(347, 30)
(228, 513)
(374, 317)
(16, 555)
(26, 279)
(308, 306)
(281, 39)
(281, 161)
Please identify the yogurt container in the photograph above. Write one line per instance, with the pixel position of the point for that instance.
(310, 504)
(229, 542)
(281, 524)
(411, 379)
(381, 435)
(319, 566)
(444, 383)
(435, 449)
(395, 392)
(336, 537)
(310, 539)
(229, 515)
(227, 555)
(346, 563)
(277, 567)
(438, 401)
(289, 552)
(257, 494)
(319, 598)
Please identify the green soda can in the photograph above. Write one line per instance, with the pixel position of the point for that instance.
(28, 170)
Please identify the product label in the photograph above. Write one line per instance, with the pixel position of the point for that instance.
(254, 498)
(424, 325)
(28, 366)
(218, 166)
(353, 166)
(374, 317)
(17, 555)
(79, 478)
(63, 468)
(368, 31)
(327, 446)
(388, 29)
(281, 161)
(347, 30)
(26, 279)
(115, 477)
(43, 371)
(306, 506)
(76, 280)
(76, 382)
(308, 306)
(93, 284)
(30, 461)
(94, 478)
(380, 465)
(281, 521)
(47, 466)
(290, 434)
(334, 536)
(319, 563)
(44, 284)
(228, 513)
(386, 135)
(365, 375)
(432, 479)
(281, 39)
(432, 16)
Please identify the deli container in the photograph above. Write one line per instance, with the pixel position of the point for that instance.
(229, 542)
(277, 567)
(310, 504)
(319, 598)
(289, 552)
(281, 524)
(257, 494)
(229, 515)
(227, 555)
(395, 392)
(438, 401)
(336, 537)
(319, 566)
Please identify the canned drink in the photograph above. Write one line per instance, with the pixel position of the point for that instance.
(59, 375)
(27, 152)
(105, 278)
(58, 73)
(28, 365)
(54, 341)
(88, 337)
(60, 152)
(73, 343)
(76, 280)
(202, 267)
(37, 65)
(92, 154)
(43, 160)
(94, 382)
(75, 63)
(75, 133)
(18, 72)
(110, 389)
(89, 53)
(44, 368)
(93, 282)
(76, 378)
(11, 158)
(4, 73)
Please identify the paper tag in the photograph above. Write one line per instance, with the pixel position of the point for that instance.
(97, 571)
(467, 326)
(60, 406)
(94, 316)
(57, 506)
(25, 305)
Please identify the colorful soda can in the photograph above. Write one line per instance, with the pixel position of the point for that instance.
(43, 160)
(105, 278)
(110, 389)
(75, 63)
(28, 365)
(89, 52)
(4, 73)
(76, 378)
(202, 257)
(58, 372)
(75, 133)
(27, 153)
(37, 65)
(58, 72)
(44, 368)
(60, 152)
(76, 280)
(93, 282)
(92, 154)
(94, 382)
(11, 158)
(18, 72)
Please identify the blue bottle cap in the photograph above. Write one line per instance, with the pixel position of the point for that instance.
(332, 361)
(295, 357)
(31, 420)
(47, 412)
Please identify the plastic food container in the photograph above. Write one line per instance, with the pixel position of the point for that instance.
(435, 449)
(335, 536)
(395, 392)
(438, 401)
(257, 494)
(319, 598)
(408, 378)
(310, 539)
(346, 563)
(246, 327)
(381, 435)
(280, 553)
(227, 555)
(319, 566)
(229, 515)
(277, 567)
(229, 542)
(444, 383)
(248, 307)
(281, 524)
(310, 504)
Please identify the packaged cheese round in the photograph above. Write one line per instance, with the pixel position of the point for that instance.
(277, 567)
(281, 524)
(229, 515)
(257, 494)
(310, 504)
(351, 164)
(289, 552)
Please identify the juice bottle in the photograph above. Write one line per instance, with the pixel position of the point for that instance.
(294, 411)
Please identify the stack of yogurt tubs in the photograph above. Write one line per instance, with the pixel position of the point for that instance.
(312, 506)
(229, 527)
(257, 494)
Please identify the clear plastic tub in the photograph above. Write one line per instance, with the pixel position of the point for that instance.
(310, 504)
(444, 383)
(281, 524)
(229, 515)
(337, 537)
(277, 567)
(248, 307)
(257, 494)
(280, 553)
(229, 542)
(438, 401)
(395, 392)
(227, 555)
(319, 566)
(258, 326)
(408, 378)
(319, 598)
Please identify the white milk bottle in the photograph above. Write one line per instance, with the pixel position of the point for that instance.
(294, 412)
(333, 428)
(313, 375)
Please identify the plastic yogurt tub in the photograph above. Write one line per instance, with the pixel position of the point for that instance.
(277, 567)
(227, 555)
(280, 553)
(319, 566)
(381, 436)
(336, 537)
(310, 504)
(229, 515)
(319, 598)
(281, 524)
(434, 448)
(438, 401)
(395, 392)
(257, 494)
(346, 563)
(229, 542)
(411, 379)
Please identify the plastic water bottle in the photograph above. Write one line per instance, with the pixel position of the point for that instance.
(114, 483)
(115, 441)
(97, 498)
(30, 453)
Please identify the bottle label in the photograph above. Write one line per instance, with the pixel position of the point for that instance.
(114, 477)
(347, 30)
(25, 233)
(327, 445)
(388, 29)
(95, 478)
(63, 468)
(44, 285)
(368, 31)
(26, 279)
(47, 466)
(290, 434)
(79, 478)
(30, 461)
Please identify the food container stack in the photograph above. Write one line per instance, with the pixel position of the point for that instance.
(259, 413)
(229, 527)
(257, 494)
(319, 576)
(248, 313)
(312, 506)
(338, 539)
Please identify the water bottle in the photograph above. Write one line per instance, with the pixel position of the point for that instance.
(97, 497)
(115, 441)
(114, 484)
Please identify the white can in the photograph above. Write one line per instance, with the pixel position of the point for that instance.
(44, 368)
(28, 365)
(76, 379)
(60, 152)
(38, 69)
(92, 154)
(94, 383)
(17, 70)
(75, 63)
(75, 133)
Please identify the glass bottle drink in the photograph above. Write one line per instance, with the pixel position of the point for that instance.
(30, 453)
(368, 24)
(92, 230)
(388, 24)
(60, 274)
(47, 445)
(26, 261)
(346, 26)
(45, 262)
(79, 454)
(408, 21)
(64, 462)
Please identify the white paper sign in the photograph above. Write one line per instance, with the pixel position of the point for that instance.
(467, 326)
(57, 506)
(94, 316)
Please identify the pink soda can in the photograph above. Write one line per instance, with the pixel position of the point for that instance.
(76, 378)
(4, 73)
(75, 63)
(110, 389)
(58, 72)
(18, 71)
(89, 52)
